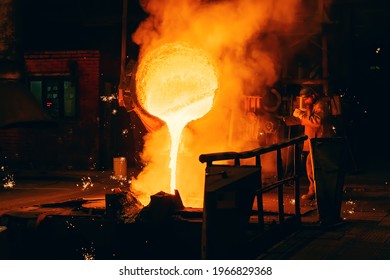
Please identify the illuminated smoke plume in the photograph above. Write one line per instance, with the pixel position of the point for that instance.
(240, 37)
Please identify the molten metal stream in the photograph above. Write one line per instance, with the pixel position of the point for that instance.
(177, 84)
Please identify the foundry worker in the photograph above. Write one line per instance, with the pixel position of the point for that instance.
(314, 116)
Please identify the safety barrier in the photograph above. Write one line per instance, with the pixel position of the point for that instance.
(234, 185)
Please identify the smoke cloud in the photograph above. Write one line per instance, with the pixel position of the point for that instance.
(241, 37)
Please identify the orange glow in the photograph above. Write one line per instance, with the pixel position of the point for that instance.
(176, 83)
(184, 45)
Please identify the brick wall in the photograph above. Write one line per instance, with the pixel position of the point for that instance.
(66, 144)
(87, 73)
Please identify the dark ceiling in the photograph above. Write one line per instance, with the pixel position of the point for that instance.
(77, 24)
(96, 24)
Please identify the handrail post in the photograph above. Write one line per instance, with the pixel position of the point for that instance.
(296, 182)
(259, 197)
(279, 168)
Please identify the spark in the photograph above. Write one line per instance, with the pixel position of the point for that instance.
(87, 183)
(9, 181)
(125, 132)
(70, 225)
(108, 98)
(350, 207)
(88, 253)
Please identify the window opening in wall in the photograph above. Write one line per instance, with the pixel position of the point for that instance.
(57, 96)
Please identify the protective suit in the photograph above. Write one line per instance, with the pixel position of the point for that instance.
(316, 120)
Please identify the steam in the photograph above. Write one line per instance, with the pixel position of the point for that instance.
(238, 35)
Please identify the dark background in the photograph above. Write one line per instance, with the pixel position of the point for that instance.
(80, 25)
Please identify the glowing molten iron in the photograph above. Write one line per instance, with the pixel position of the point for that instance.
(176, 83)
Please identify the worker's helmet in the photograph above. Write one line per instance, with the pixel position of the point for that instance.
(307, 91)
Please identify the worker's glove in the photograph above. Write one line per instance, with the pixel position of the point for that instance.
(299, 113)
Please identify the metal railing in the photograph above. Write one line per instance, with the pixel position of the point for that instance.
(281, 180)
